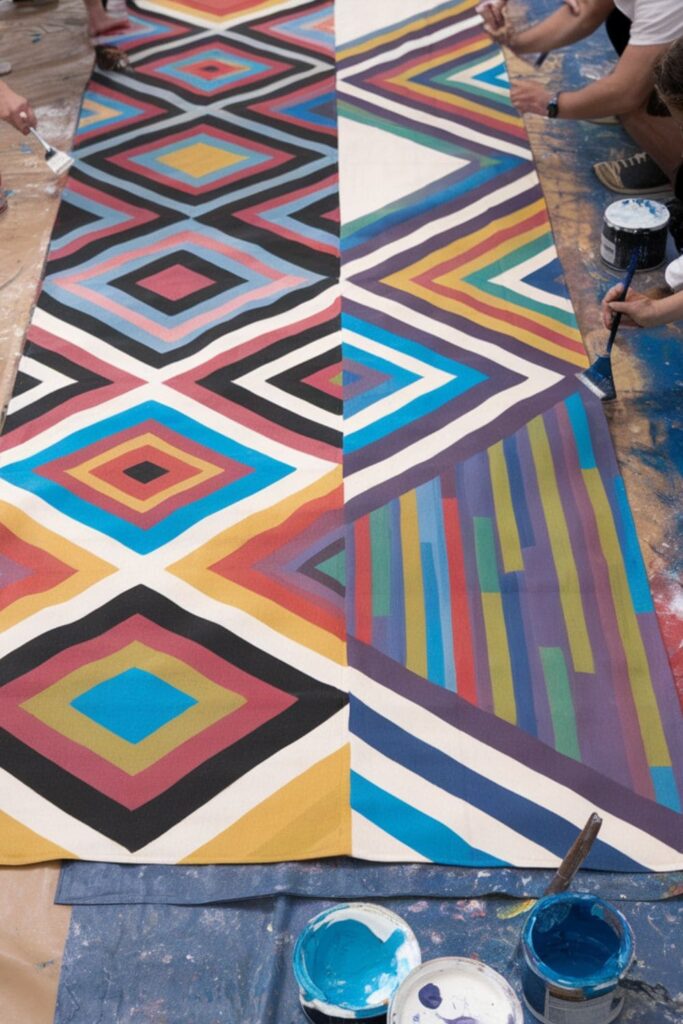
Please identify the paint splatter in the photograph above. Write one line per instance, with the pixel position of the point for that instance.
(430, 996)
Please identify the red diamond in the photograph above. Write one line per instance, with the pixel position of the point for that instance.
(175, 282)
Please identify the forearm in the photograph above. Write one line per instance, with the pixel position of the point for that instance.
(666, 310)
(562, 28)
(607, 96)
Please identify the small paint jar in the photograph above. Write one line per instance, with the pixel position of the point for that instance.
(630, 225)
(455, 989)
(576, 948)
(348, 961)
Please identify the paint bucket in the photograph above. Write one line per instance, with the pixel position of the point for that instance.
(631, 224)
(577, 948)
(348, 961)
(455, 988)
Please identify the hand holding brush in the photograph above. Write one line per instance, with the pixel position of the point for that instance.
(598, 377)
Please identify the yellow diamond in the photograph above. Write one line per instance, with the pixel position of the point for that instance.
(200, 159)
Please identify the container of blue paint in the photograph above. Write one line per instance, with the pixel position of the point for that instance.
(349, 960)
(577, 948)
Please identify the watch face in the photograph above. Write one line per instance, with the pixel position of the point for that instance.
(552, 108)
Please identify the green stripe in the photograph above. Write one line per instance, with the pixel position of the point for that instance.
(560, 700)
(381, 561)
(485, 547)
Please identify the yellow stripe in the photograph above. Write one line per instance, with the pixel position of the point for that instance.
(309, 817)
(563, 555)
(248, 10)
(654, 740)
(416, 626)
(505, 512)
(498, 647)
(21, 845)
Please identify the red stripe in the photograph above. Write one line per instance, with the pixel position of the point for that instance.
(460, 613)
(363, 570)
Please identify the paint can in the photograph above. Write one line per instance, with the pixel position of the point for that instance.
(349, 960)
(577, 948)
(630, 225)
(455, 988)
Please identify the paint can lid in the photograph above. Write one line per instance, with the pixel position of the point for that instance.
(350, 958)
(455, 988)
(637, 215)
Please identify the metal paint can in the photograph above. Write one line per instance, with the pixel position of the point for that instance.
(455, 988)
(349, 960)
(577, 948)
(630, 225)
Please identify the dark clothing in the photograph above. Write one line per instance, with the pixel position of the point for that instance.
(678, 183)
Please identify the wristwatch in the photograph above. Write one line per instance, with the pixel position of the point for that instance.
(553, 108)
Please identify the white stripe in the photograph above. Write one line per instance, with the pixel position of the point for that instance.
(390, 53)
(50, 381)
(512, 775)
(513, 279)
(214, 817)
(54, 825)
(451, 223)
(372, 843)
(430, 378)
(195, 19)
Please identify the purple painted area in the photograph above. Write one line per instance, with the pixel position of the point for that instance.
(482, 674)
(656, 820)
(430, 996)
(12, 572)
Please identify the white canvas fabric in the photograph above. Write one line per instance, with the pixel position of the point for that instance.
(653, 21)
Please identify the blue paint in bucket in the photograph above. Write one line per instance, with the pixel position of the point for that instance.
(576, 948)
(349, 960)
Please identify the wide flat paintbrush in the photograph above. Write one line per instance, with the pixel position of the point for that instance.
(56, 160)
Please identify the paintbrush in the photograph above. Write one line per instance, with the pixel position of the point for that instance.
(598, 377)
(57, 161)
(540, 60)
(564, 875)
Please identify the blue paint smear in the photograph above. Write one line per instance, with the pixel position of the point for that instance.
(430, 996)
(348, 963)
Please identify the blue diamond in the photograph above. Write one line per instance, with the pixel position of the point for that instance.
(133, 704)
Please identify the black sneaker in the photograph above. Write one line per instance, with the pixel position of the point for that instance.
(636, 175)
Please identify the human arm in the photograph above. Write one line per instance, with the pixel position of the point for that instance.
(572, 21)
(16, 110)
(625, 90)
(640, 309)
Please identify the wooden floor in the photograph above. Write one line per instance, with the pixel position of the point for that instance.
(52, 59)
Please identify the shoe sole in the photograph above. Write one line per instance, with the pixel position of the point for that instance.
(614, 185)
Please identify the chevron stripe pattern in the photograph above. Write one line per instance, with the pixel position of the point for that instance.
(310, 543)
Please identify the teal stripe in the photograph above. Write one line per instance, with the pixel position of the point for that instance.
(485, 546)
(665, 787)
(560, 700)
(633, 559)
(582, 433)
(419, 831)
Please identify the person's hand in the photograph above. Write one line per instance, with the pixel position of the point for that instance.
(16, 110)
(639, 310)
(530, 97)
(495, 22)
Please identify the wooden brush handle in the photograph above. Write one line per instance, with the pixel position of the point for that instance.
(576, 856)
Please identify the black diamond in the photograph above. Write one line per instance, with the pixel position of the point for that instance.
(220, 281)
(145, 472)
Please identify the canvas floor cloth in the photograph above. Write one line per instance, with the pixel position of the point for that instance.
(311, 542)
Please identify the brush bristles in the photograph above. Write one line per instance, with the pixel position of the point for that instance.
(604, 388)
